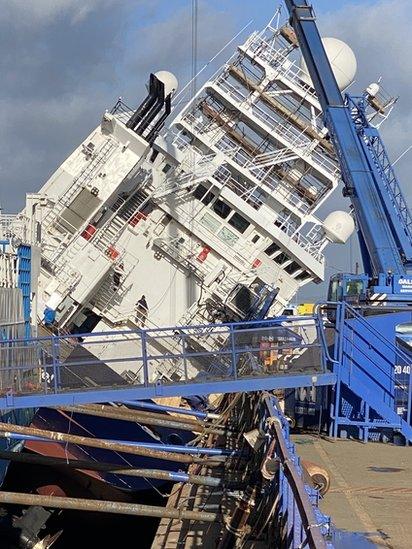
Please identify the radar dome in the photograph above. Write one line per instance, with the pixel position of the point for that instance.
(342, 60)
(169, 80)
(339, 226)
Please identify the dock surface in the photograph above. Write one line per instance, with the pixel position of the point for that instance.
(371, 487)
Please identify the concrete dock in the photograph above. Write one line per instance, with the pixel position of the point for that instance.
(371, 487)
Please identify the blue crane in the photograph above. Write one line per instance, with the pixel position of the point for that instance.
(383, 219)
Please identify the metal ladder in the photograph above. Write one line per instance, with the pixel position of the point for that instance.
(125, 211)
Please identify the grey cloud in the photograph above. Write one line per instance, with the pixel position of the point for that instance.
(42, 12)
(166, 45)
(60, 73)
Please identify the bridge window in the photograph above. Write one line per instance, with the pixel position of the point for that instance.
(239, 222)
(221, 208)
(203, 194)
(281, 258)
(273, 248)
(303, 276)
(292, 268)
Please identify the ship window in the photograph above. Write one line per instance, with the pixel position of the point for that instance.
(203, 194)
(239, 222)
(303, 276)
(210, 222)
(228, 237)
(272, 249)
(221, 208)
(281, 258)
(292, 268)
(255, 238)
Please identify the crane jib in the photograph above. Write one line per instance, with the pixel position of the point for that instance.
(383, 218)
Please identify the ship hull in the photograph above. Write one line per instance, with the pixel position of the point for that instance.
(108, 429)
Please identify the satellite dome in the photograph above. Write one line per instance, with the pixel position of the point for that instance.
(339, 226)
(169, 80)
(342, 60)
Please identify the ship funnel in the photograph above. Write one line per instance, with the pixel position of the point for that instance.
(162, 86)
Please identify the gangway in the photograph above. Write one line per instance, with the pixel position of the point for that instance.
(62, 370)
(335, 347)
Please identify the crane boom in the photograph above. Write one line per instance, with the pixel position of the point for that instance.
(383, 218)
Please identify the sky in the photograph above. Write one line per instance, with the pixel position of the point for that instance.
(63, 62)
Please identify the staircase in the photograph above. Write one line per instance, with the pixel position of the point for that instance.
(124, 213)
(368, 393)
(191, 174)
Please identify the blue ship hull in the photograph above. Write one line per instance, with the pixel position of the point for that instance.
(110, 429)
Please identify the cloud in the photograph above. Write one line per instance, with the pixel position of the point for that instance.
(60, 73)
(167, 44)
(43, 12)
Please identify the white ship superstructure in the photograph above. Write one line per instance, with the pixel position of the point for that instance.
(208, 219)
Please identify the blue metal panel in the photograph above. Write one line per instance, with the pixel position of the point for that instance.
(382, 248)
(161, 390)
(24, 282)
(303, 21)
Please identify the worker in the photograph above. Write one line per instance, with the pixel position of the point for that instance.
(118, 273)
(141, 311)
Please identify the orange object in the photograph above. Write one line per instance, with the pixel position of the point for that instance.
(203, 254)
(112, 252)
(89, 232)
(133, 221)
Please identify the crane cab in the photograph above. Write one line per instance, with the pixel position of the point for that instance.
(348, 287)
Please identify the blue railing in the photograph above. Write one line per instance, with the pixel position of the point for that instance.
(161, 360)
(300, 522)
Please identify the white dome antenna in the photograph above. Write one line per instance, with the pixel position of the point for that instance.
(342, 60)
(338, 226)
(169, 80)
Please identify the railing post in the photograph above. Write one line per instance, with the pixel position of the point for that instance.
(233, 351)
(143, 337)
(183, 339)
(340, 326)
(55, 359)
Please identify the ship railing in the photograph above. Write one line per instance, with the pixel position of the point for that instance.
(192, 170)
(115, 284)
(122, 111)
(184, 255)
(230, 89)
(199, 354)
(246, 161)
(297, 138)
(280, 62)
(247, 192)
(313, 247)
(267, 181)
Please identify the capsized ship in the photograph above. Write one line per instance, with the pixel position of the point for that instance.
(211, 219)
